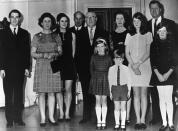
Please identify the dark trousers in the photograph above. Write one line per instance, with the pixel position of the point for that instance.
(88, 99)
(156, 114)
(13, 90)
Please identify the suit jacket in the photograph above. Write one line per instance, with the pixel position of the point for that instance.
(170, 25)
(84, 49)
(15, 50)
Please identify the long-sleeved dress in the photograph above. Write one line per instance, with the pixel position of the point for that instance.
(99, 67)
(44, 79)
(163, 60)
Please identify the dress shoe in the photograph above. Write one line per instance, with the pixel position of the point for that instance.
(117, 127)
(98, 126)
(83, 121)
(19, 123)
(123, 128)
(68, 119)
(9, 124)
(103, 126)
(143, 126)
(137, 126)
(171, 128)
(60, 119)
(52, 123)
(42, 124)
(162, 128)
(127, 122)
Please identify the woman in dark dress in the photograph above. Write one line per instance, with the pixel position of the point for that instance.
(117, 42)
(68, 70)
(164, 75)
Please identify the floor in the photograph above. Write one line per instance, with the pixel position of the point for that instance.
(32, 118)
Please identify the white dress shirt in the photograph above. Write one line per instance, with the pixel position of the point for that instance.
(125, 77)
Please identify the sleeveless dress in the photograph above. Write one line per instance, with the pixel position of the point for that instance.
(44, 79)
(116, 39)
(68, 69)
(99, 68)
(137, 47)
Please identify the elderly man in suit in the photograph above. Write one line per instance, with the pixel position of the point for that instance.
(157, 13)
(77, 29)
(14, 65)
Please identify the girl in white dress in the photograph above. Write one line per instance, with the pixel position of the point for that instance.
(137, 53)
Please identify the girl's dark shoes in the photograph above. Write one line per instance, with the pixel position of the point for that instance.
(117, 127)
(42, 124)
(143, 126)
(162, 128)
(60, 119)
(103, 126)
(52, 123)
(67, 119)
(171, 128)
(123, 128)
(98, 126)
(137, 126)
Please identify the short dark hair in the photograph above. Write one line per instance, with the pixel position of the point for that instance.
(144, 24)
(79, 12)
(161, 6)
(15, 11)
(60, 15)
(49, 15)
(118, 52)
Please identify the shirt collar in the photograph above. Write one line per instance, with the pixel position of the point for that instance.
(12, 28)
(94, 27)
(158, 20)
(79, 28)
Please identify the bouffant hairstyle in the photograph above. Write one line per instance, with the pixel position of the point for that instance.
(49, 15)
(144, 24)
(125, 18)
(61, 15)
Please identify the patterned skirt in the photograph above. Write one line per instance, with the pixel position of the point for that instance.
(99, 84)
(44, 79)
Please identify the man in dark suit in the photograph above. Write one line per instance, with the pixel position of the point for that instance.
(14, 65)
(84, 52)
(77, 29)
(157, 12)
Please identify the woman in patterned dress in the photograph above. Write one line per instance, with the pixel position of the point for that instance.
(137, 53)
(45, 47)
(99, 85)
(68, 70)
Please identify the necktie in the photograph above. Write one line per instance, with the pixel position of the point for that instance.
(91, 36)
(118, 76)
(14, 32)
(155, 28)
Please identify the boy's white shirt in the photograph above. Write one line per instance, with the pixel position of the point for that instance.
(125, 77)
